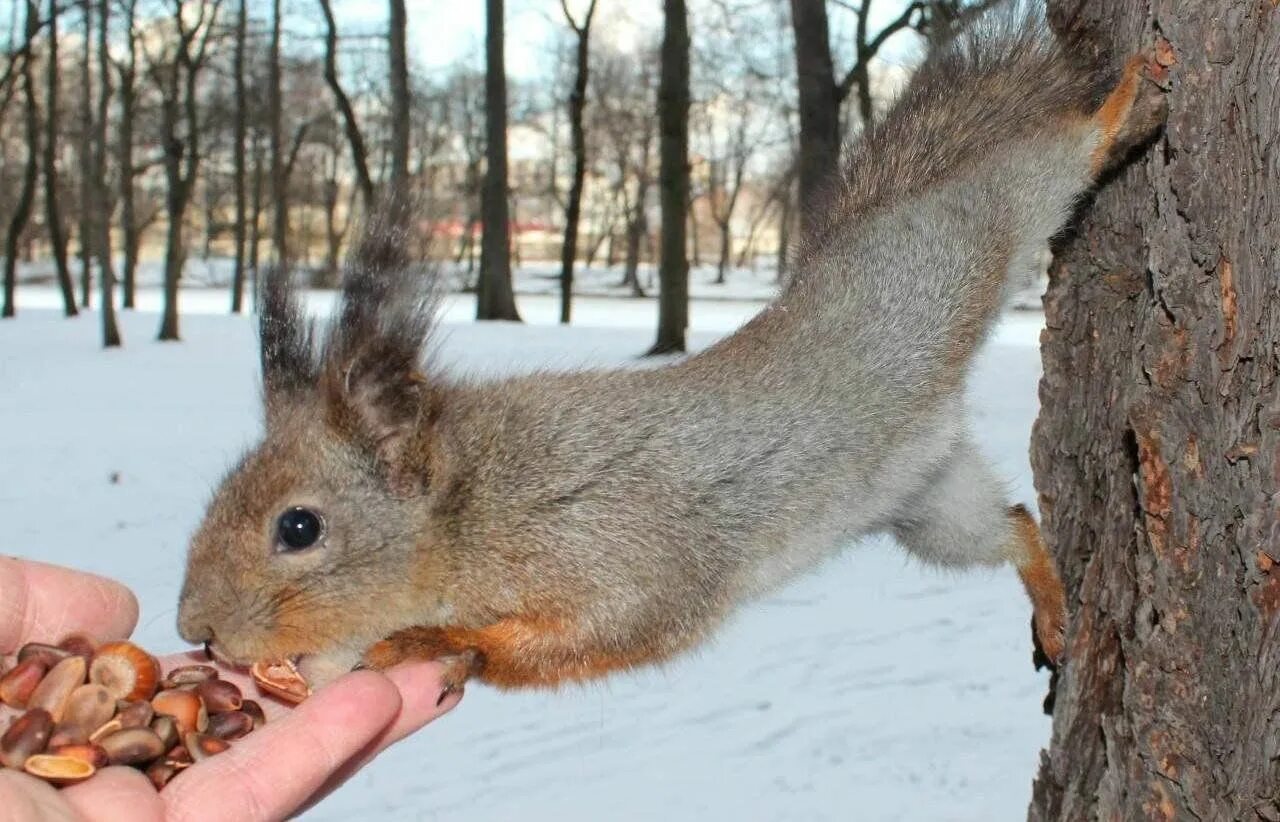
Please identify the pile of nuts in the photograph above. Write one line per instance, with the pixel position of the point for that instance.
(85, 707)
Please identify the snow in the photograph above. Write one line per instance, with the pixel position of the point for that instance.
(873, 689)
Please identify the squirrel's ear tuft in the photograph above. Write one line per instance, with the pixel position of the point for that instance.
(286, 336)
(374, 369)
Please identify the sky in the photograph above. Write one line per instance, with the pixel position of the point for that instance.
(444, 31)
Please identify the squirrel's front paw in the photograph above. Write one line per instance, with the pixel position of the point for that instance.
(433, 644)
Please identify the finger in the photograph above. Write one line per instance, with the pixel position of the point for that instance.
(270, 773)
(420, 687)
(40, 602)
(116, 795)
(24, 799)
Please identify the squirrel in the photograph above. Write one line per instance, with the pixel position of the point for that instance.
(557, 527)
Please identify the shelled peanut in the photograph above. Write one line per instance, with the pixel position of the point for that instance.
(84, 707)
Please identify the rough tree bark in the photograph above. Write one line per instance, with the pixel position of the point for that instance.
(495, 299)
(275, 119)
(351, 126)
(401, 101)
(239, 158)
(101, 192)
(819, 99)
(31, 171)
(673, 180)
(1157, 452)
(128, 72)
(84, 150)
(577, 107)
(53, 214)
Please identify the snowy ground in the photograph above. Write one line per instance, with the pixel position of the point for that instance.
(874, 689)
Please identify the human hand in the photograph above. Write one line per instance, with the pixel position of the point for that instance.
(300, 756)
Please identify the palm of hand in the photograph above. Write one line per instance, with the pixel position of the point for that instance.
(300, 756)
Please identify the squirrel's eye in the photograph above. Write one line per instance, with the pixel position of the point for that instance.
(299, 528)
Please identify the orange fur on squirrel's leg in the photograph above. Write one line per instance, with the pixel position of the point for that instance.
(510, 653)
(1135, 110)
(1040, 577)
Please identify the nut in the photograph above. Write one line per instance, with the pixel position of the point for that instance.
(50, 655)
(185, 707)
(27, 736)
(189, 675)
(80, 645)
(166, 727)
(219, 696)
(202, 746)
(255, 712)
(126, 670)
(281, 679)
(54, 691)
(162, 773)
(132, 746)
(89, 708)
(136, 714)
(106, 730)
(64, 734)
(90, 753)
(59, 770)
(230, 725)
(16, 686)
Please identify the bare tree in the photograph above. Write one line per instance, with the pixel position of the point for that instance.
(239, 157)
(127, 73)
(177, 77)
(401, 101)
(673, 176)
(84, 156)
(577, 104)
(495, 299)
(53, 213)
(275, 130)
(100, 188)
(1157, 450)
(22, 209)
(821, 94)
(351, 126)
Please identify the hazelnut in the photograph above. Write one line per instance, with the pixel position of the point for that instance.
(126, 670)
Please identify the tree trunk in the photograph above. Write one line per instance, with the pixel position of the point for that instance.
(400, 104)
(1157, 452)
(573, 209)
(239, 159)
(84, 150)
(176, 206)
(31, 171)
(275, 119)
(673, 180)
(124, 148)
(359, 152)
(819, 101)
(102, 196)
(53, 214)
(495, 299)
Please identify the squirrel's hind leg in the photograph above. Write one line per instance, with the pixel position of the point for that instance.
(963, 518)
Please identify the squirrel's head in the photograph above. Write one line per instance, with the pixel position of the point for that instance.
(314, 547)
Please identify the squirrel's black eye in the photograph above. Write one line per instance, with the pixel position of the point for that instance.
(299, 528)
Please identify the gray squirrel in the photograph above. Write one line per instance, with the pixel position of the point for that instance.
(560, 526)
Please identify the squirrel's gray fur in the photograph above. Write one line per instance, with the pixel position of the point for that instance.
(637, 508)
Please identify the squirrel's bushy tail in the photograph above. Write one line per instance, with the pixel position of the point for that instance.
(999, 79)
